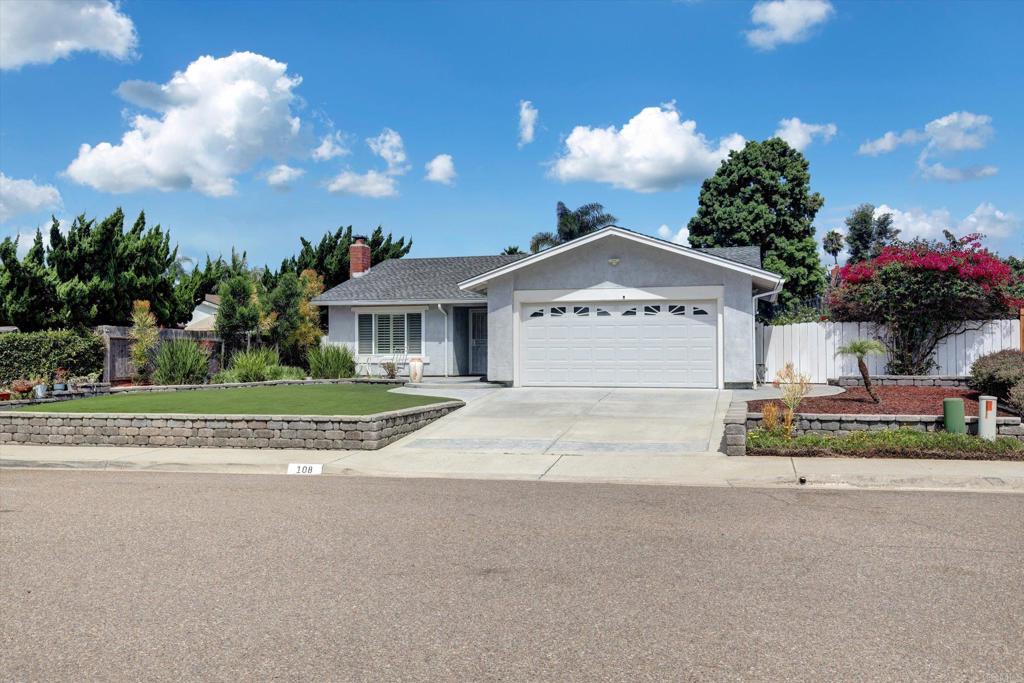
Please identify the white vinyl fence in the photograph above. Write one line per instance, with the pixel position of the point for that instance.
(811, 348)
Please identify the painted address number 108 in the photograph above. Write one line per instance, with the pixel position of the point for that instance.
(303, 468)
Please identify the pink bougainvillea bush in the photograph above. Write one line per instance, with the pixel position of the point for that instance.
(921, 292)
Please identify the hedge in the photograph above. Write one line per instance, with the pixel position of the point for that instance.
(25, 355)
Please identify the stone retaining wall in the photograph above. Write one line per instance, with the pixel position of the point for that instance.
(316, 432)
(840, 425)
(903, 381)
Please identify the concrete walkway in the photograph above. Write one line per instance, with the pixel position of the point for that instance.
(705, 470)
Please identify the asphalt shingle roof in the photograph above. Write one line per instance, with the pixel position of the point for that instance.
(418, 279)
(437, 279)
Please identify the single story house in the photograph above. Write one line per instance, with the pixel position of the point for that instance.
(204, 315)
(613, 308)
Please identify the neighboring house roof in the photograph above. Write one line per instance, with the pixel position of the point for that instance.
(763, 278)
(205, 324)
(431, 280)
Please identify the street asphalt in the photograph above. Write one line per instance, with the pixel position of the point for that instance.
(143, 576)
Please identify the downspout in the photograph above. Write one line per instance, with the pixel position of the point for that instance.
(445, 314)
(753, 337)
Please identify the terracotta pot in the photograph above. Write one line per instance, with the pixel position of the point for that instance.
(5, 396)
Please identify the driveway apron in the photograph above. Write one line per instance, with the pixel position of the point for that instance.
(577, 421)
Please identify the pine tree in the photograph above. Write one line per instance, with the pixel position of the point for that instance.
(760, 195)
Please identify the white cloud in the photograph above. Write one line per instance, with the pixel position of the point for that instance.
(990, 221)
(25, 196)
(43, 31)
(331, 145)
(389, 147)
(957, 132)
(441, 169)
(653, 151)
(986, 219)
(527, 121)
(218, 118)
(281, 176)
(372, 184)
(680, 236)
(799, 134)
(786, 21)
(889, 142)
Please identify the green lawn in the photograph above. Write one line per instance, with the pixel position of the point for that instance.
(294, 399)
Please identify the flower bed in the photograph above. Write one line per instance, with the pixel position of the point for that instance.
(895, 401)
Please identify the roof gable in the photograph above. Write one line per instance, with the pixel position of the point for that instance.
(738, 258)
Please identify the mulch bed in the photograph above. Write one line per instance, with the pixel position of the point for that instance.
(895, 401)
(901, 453)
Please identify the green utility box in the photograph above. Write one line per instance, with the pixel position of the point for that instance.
(953, 412)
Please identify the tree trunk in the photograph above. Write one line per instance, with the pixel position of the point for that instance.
(867, 380)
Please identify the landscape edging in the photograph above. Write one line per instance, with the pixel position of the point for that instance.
(313, 432)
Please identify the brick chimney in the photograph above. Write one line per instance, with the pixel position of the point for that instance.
(358, 257)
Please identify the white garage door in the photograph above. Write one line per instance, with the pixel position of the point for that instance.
(667, 344)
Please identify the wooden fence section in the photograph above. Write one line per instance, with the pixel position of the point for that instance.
(811, 348)
(117, 362)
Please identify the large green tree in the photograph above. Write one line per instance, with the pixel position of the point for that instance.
(572, 223)
(867, 234)
(28, 289)
(329, 257)
(761, 196)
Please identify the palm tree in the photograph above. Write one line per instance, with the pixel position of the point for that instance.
(861, 349)
(512, 250)
(572, 223)
(833, 243)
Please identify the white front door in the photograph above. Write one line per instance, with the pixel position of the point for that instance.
(625, 344)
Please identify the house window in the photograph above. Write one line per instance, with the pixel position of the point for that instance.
(390, 333)
(677, 309)
(557, 311)
(600, 312)
(581, 310)
(652, 310)
(630, 311)
(539, 313)
(699, 311)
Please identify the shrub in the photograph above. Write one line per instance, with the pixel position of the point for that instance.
(287, 372)
(181, 361)
(254, 365)
(922, 292)
(795, 387)
(224, 377)
(30, 354)
(1016, 397)
(997, 373)
(145, 336)
(390, 369)
(331, 362)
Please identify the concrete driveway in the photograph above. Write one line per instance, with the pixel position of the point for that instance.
(579, 422)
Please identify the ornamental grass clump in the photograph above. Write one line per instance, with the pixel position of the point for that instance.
(794, 386)
(861, 349)
(181, 361)
(144, 336)
(331, 362)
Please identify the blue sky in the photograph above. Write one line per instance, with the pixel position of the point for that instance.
(614, 87)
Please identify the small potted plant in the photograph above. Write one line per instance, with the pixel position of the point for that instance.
(60, 379)
(5, 394)
(22, 387)
(39, 387)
